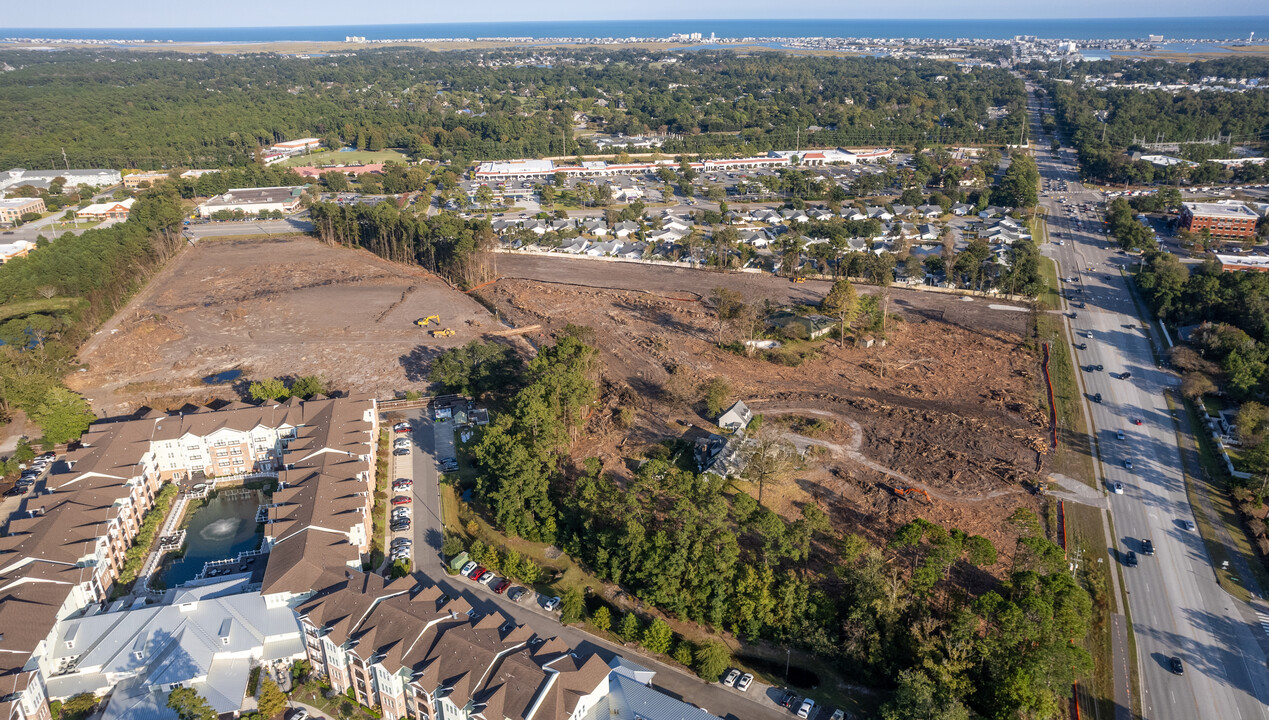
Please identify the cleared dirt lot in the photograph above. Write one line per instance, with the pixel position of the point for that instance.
(948, 406)
(272, 307)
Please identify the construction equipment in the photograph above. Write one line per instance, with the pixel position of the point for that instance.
(799, 280)
(425, 321)
(442, 333)
(905, 492)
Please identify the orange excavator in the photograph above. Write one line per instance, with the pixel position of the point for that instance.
(906, 492)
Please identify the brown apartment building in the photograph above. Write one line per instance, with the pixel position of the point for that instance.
(417, 654)
(1221, 220)
(65, 555)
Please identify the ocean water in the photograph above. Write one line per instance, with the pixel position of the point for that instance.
(1200, 28)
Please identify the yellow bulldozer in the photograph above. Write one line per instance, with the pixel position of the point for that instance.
(425, 321)
(442, 333)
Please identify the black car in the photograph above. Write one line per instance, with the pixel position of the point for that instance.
(1081, 346)
(1177, 666)
(790, 699)
(1125, 376)
(1147, 547)
(400, 526)
(15, 491)
(1099, 368)
(1130, 559)
(1097, 398)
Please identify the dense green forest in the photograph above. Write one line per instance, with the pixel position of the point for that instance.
(131, 110)
(54, 298)
(895, 616)
(1104, 124)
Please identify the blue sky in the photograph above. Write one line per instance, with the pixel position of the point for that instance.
(248, 13)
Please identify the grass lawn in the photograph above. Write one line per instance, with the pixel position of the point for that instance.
(26, 307)
(1071, 457)
(1051, 298)
(1086, 539)
(363, 157)
(1212, 480)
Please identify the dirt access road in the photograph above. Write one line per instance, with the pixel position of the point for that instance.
(272, 308)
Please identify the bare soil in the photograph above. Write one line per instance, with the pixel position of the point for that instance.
(949, 405)
(273, 308)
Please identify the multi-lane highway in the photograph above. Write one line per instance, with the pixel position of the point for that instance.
(1177, 608)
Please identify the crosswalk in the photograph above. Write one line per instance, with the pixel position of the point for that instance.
(1264, 621)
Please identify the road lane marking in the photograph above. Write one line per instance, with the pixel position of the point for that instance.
(1264, 621)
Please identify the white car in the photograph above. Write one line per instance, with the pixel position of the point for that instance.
(1117, 488)
(1119, 434)
(487, 578)
(744, 682)
(732, 676)
(807, 706)
(467, 569)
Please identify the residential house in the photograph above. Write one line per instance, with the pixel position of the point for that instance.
(930, 211)
(811, 326)
(879, 213)
(902, 210)
(962, 209)
(625, 228)
(735, 417)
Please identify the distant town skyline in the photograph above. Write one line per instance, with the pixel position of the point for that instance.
(252, 13)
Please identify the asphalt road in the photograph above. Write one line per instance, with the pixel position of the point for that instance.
(1176, 605)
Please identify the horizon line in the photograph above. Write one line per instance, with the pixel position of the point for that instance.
(630, 20)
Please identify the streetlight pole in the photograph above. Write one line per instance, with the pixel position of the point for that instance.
(787, 654)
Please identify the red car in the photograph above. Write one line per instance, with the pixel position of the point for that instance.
(1136, 421)
(502, 586)
(401, 427)
(401, 500)
(475, 574)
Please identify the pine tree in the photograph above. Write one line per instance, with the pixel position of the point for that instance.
(630, 627)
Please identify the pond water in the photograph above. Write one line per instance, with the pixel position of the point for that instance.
(218, 530)
(223, 377)
(799, 677)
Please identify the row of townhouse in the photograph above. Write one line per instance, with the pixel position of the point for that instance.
(64, 554)
(414, 653)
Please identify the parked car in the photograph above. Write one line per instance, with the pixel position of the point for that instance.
(789, 699)
(400, 512)
(475, 574)
(744, 682)
(401, 451)
(467, 568)
(401, 443)
(501, 586)
(402, 500)
(552, 603)
(732, 676)
(487, 578)
(518, 594)
(808, 705)
(403, 484)
(401, 427)
(400, 525)
(402, 542)
(15, 491)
